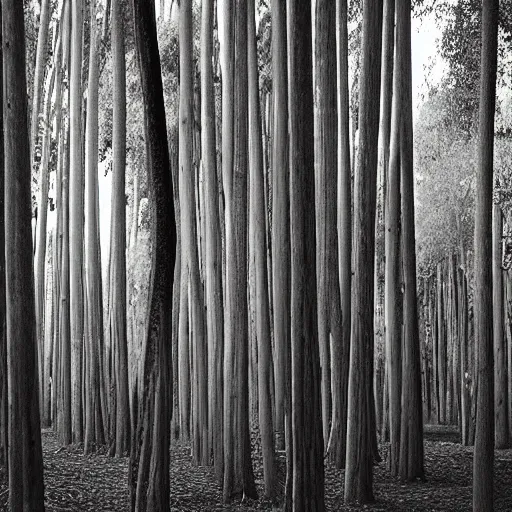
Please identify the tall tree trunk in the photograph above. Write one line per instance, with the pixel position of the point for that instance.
(329, 307)
(411, 429)
(190, 267)
(441, 345)
(40, 250)
(149, 458)
(501, 437)
(484, 439)
(257, 220)
(26, 490)
(96, 414)
(307, 477)
(117, 288)
(360, 453)
(213, 242)
(392, 273)
(238, 473)
(280, 221)
(76, 213)
(344, 229)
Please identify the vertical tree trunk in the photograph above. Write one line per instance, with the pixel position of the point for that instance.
(40, 250)
(484, 438)
(238, 474)
(441, 345)
(329, 307)
(392, 273)
(213, 242)
(76, 213)
(344, 226)
(257, 220)
(96, 414)
(117, 288)
(359, 472)
(307, 489)
(190, 267)
(501, 437)
(149, 458)
(25, 453)
(280, 221)
(411, 429)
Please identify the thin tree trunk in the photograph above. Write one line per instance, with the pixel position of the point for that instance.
(76, 213)
(257, 221)
(501, 438)
(280, 221)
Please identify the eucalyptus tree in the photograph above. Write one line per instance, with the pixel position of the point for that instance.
(360, 453)
(25, 458)
(149, 457)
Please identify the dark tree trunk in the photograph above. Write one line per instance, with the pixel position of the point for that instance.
(484, 438)
(307, 471)
(149, 459)
(26, 490)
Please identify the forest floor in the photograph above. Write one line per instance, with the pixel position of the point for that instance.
(99, 483)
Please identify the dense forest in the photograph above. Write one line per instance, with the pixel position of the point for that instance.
(255, 256)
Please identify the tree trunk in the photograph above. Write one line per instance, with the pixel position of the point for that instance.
(329, 307)
(411, 429)
(280, 221)
(25, 466)
(484, 438)
(213, 242)
(190, 267)
(501, 437)
(76, 213)
(117, 288)
(344, 234)
(238, 473)
(257, 220)
(360, 453)
(307, 471)
(149, 458)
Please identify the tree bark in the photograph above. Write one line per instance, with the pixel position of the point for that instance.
(360, 453)
(76, 213)
(484, 437)
(213, 242)
(117, 288)
(149, 458)
(257, 220)
(411, 429)
(307, 471)
(280, 221)
(501, 436)
(25, 466)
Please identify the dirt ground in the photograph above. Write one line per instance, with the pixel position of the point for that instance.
(99, 483)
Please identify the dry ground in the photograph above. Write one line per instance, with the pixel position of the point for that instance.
(99, 483)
